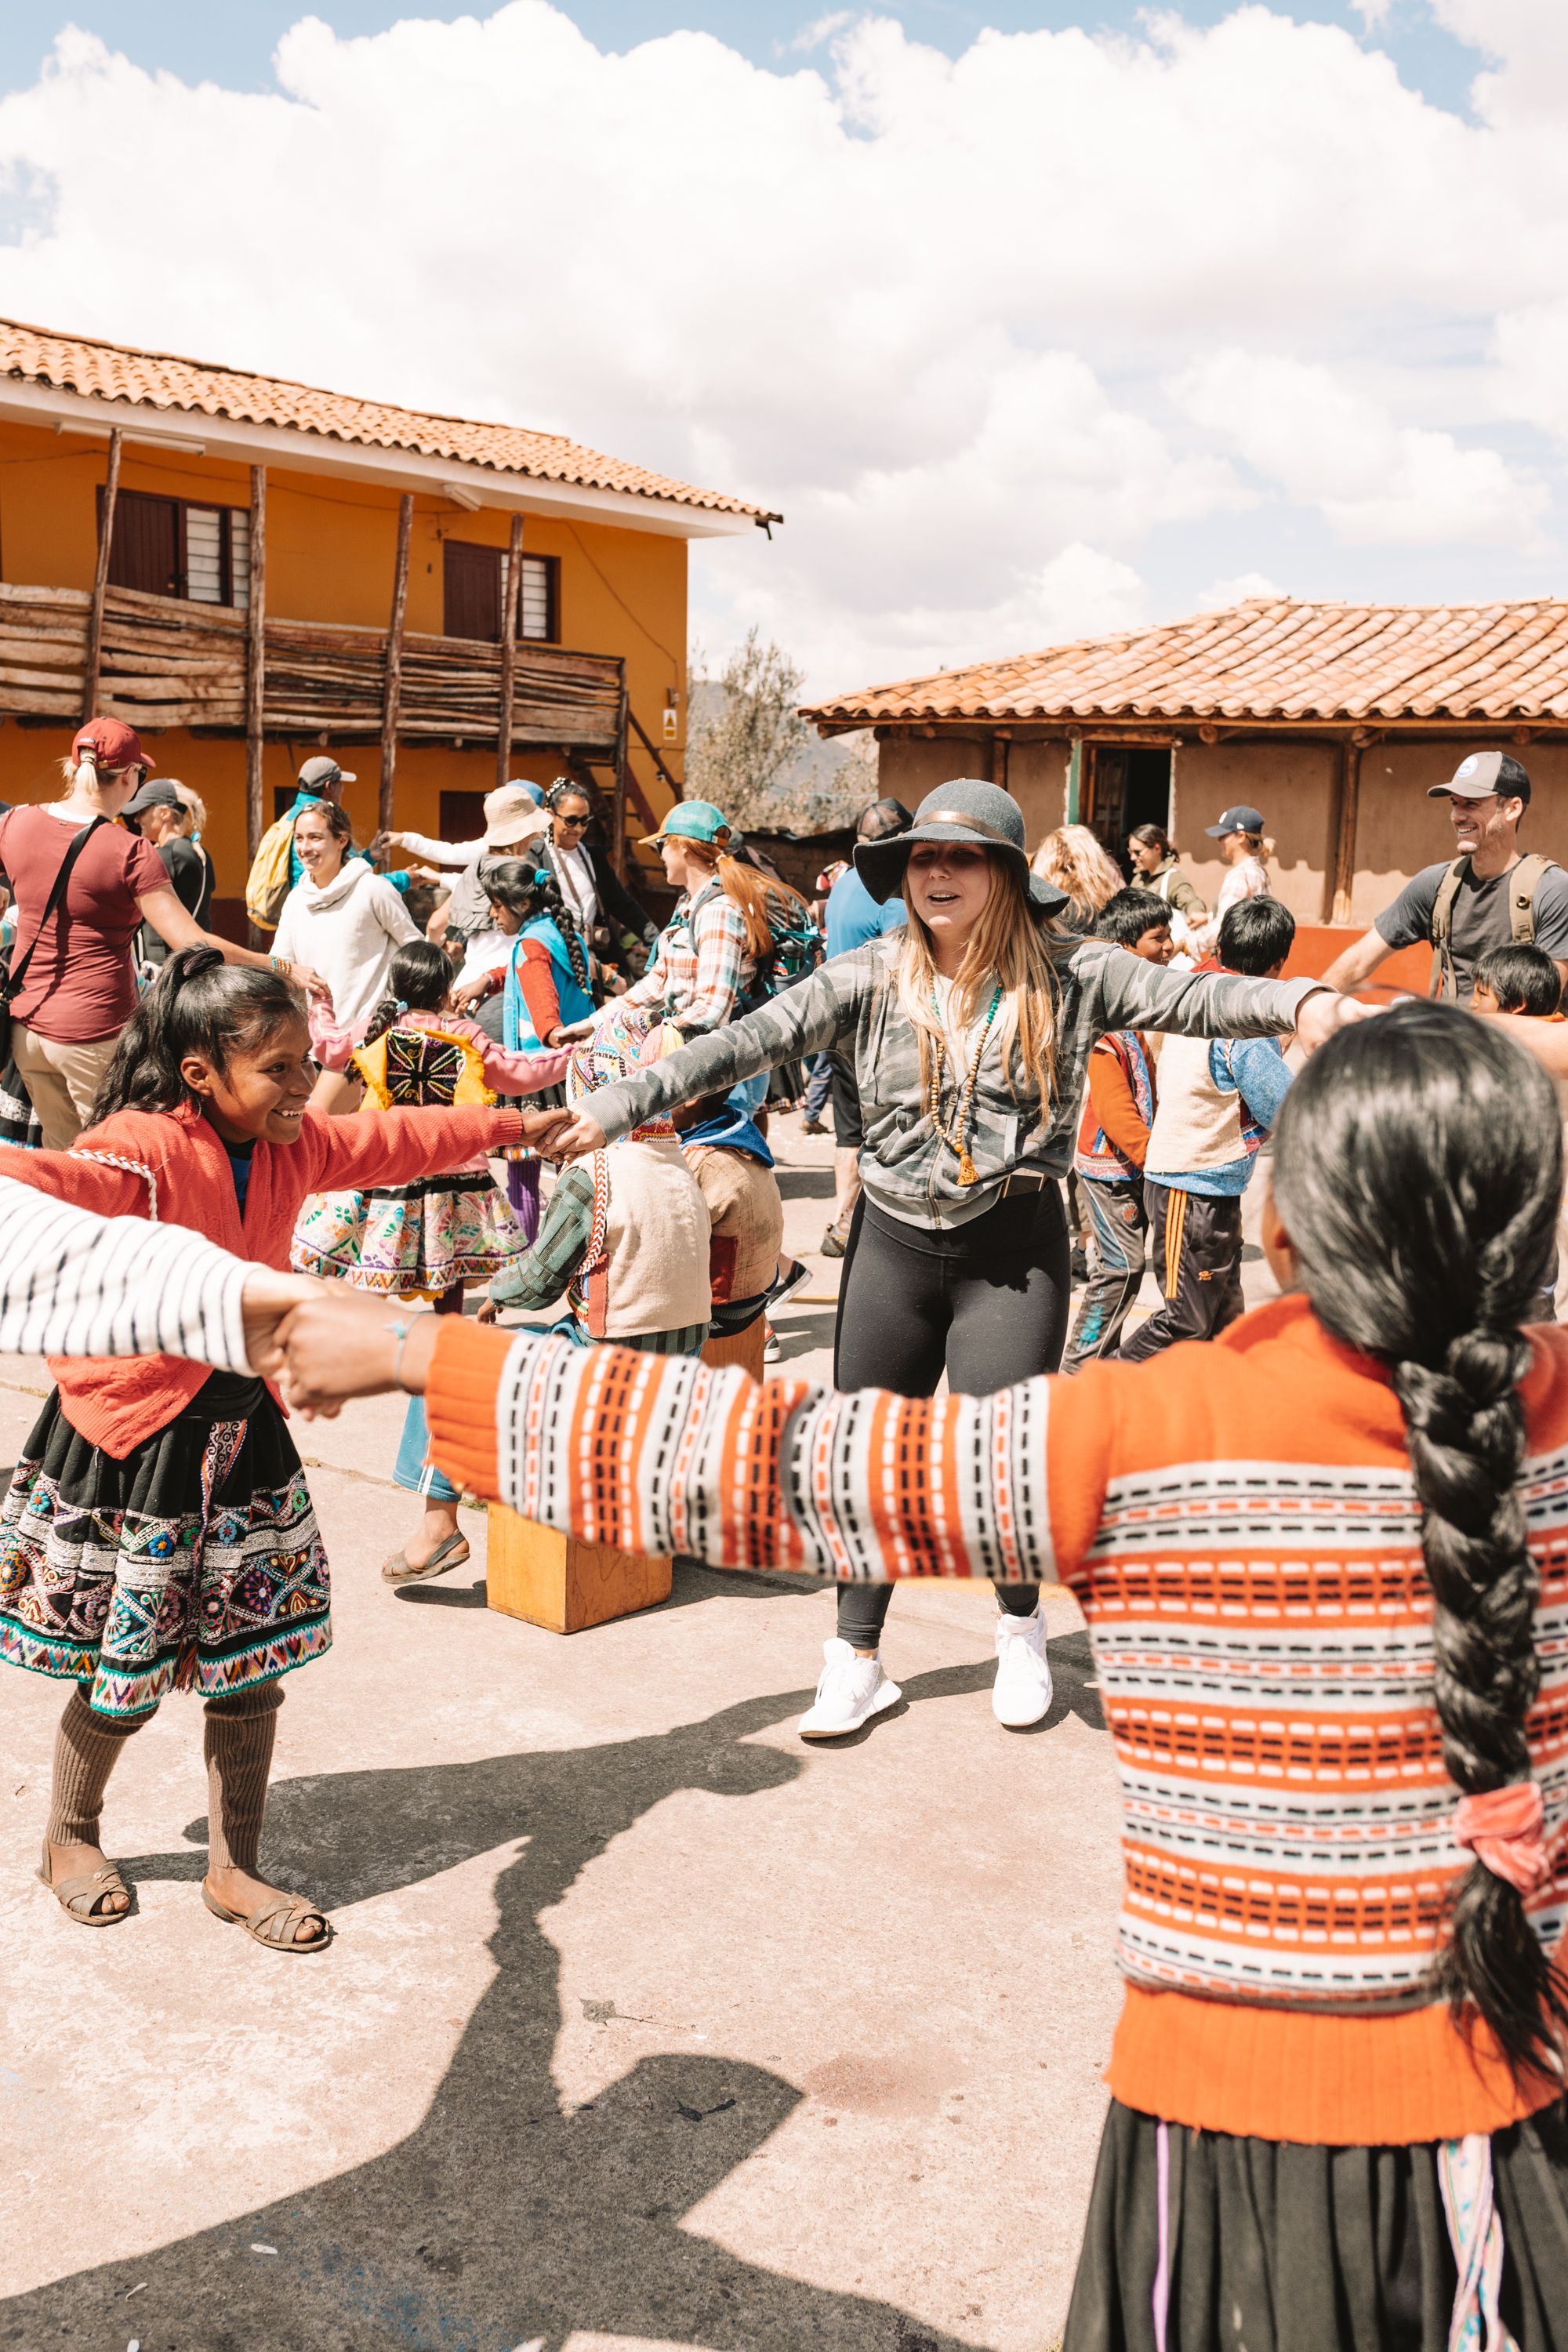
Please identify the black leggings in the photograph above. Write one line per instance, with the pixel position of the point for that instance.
(986, 1301)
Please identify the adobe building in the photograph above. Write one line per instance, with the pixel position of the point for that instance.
(249, 570)
(1332, 720)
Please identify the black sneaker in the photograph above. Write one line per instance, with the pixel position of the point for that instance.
(1080, 1266)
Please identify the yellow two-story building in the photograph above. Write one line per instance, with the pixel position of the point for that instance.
(249, 570)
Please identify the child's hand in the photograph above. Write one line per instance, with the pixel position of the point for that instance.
(488, 1312)
(541, 1130)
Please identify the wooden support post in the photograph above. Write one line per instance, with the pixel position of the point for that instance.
(1074, 781)
(255, 678)
(618, 816)
(555, 1581)
(509, 649)
(101, 582)
(1344, 852)
(392, 693)
(1000, 747)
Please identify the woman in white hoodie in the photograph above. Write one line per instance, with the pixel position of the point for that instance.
(342, 919)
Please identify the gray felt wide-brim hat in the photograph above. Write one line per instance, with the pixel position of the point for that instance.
(966, 810)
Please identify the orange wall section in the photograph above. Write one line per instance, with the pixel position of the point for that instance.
(330, 553)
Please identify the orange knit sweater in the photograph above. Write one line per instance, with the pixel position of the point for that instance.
(1239, 1524)
(116, 1402)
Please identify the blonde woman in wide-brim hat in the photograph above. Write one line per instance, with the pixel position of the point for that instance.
(969, 1032)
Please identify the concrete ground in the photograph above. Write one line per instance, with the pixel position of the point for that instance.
(646, 2026)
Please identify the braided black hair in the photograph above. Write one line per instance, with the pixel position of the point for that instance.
(567, 788)
(528, 891)
(1418, 1172)
(419, 979)
(197, 1004)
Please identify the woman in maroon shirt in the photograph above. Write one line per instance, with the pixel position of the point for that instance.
(80, 985)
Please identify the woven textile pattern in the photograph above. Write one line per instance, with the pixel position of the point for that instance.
(1262, 1627)
(131, 1602)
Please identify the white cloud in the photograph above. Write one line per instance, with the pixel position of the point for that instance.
(1377, 483)
(1221, 592)
(924, 305)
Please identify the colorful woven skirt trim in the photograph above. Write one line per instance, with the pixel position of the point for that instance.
(410, 1241)
(195, 1563)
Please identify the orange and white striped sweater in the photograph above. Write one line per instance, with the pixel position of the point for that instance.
(1239, 1524)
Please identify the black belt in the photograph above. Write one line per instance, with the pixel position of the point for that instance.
(1024, 1180)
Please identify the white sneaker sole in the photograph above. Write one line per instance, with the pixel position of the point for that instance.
(888, 1694)
(1023, 1708)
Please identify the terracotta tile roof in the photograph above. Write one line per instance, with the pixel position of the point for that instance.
(181, 387)
(1270, 657)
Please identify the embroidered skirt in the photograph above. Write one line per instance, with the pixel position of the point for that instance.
(1197, 2239)
(195, 1563)
(409, 1241)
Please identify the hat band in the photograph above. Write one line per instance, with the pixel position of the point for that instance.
(973, 824)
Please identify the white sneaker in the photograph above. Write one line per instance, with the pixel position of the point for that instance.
(1023, 1692)
(850, 1692)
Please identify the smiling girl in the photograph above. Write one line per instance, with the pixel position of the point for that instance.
(970, 1033)
(157, 1533)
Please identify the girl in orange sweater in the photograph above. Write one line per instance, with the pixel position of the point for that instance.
(157, 1533)
(1324, 1563)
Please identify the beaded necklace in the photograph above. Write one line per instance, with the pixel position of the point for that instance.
(954, 1137)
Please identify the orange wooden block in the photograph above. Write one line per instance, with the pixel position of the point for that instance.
(554, 1581)
(745, 1349)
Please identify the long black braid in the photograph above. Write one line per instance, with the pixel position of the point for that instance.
(1419, 1174)
(527, 891)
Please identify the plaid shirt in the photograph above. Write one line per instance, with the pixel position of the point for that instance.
(700, 965)
(853, 1004)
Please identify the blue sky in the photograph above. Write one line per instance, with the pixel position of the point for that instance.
(1115, 315)
(232, 41)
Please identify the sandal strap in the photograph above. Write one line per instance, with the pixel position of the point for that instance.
(267, 1925)
(89, 1888)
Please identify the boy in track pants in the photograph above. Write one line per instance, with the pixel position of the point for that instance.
(1217, 1100)
(1113, 1141)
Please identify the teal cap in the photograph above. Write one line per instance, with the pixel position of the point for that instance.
(695, 821)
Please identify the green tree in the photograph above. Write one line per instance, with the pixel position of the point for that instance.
(745, 736)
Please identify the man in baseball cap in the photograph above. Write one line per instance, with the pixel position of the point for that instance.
(319, 779)
(1487, 896)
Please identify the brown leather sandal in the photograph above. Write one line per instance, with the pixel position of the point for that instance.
(450, 1552)
(88, 1887)
(275, 1922)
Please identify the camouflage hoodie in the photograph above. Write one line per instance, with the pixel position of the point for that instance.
(851, 1005)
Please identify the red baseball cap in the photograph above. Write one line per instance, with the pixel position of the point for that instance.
(113, 745)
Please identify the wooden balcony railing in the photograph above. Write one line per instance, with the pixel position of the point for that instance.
(166, 663)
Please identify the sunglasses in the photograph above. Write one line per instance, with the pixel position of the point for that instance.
(576, 823)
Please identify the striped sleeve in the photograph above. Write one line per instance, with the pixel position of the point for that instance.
(74, 1283)
(650, 1453)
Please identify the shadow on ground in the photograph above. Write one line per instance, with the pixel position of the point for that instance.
(502, 2221)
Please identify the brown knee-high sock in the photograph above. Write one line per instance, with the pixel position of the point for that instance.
(237, 1744)
(86, 1749)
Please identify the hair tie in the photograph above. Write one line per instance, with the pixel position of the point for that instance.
(198, 960)
(400, 1003)
(1503, 1829)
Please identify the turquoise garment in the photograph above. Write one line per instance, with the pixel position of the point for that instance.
(576, 1003)
(303, 801)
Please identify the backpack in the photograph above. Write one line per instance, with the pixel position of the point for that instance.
(270, 885)
(1523, 883)
(795, 952)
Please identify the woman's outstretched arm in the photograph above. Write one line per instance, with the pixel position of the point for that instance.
(658, 1454)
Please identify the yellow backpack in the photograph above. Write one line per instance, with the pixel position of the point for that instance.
(268, 885)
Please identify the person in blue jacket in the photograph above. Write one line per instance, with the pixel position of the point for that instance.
(853, 917)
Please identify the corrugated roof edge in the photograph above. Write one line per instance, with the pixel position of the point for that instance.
(662, 487)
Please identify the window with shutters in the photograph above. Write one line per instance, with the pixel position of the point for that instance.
(473, 586)
(171, 546)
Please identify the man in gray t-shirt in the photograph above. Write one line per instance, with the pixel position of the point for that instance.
(1486, 795)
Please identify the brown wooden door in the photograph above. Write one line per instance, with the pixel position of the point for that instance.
(472, 587)
(462, 815)
(145, 552)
